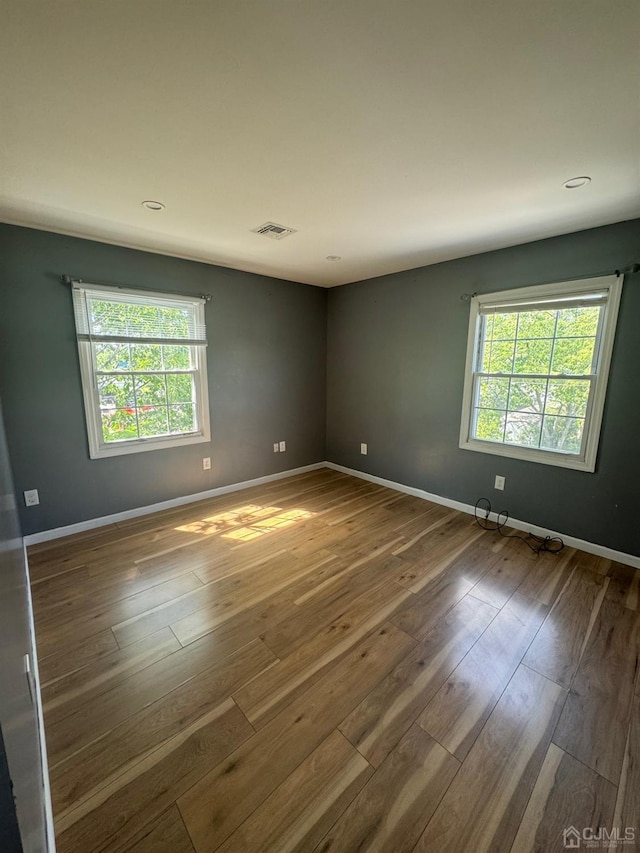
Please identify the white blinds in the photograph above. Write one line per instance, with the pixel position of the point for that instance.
(574, 300)
(120, 316)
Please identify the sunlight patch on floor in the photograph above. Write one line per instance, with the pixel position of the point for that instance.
(282, 519)
(246, 522)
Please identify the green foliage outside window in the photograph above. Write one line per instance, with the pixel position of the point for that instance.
(141, 395)
(547, 412)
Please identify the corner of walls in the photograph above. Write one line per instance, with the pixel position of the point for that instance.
(395, 372)
(266, 370)
(326, 369)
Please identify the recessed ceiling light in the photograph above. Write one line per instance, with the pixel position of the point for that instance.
(153, 205)
(333, 258)
(576, 183)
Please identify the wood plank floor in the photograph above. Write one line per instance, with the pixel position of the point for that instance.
(323, 664)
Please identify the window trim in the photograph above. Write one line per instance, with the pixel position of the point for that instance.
(98, 448)
(585, 461)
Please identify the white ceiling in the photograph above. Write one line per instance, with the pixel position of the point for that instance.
(394, 133)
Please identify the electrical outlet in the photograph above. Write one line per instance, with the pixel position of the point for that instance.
(31, 497)
(206, 463)
(283, 446)
(276, 447)
(363, 449)
(499, 484)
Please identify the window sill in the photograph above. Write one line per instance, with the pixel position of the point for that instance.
(543, 457)
(142, 445)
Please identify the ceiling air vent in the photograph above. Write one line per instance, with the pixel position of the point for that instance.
(273, 230)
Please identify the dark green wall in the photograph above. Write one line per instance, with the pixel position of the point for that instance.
(266, 365)
(392, 375)
(396, 355)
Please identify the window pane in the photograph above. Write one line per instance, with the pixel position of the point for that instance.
(182, 418)
(527, 395)
(502, 327)
(175, 321)
(107, 318)
(574, 322)
(119, 424)
(112, 356)
(536, 324)
(562, 434)
(493, 393)
(177, 358)
(489, 425)
(487, 327)
(573, 355)
(523, 429)
(180, 388)
(568, 397)
(142, 321)
(150, 390)
(146, 356)
(116, 392)
(152, 421)
(532, 356)
(498, 357)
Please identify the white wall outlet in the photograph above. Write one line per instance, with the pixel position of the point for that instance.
(206, 463)
(363, 449)
(276, 447)
(31, 497)
(499, 484)
(283, 446)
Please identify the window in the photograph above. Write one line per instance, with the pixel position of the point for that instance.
(536, 375)
(143, 366)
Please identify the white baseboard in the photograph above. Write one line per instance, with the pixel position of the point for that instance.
(81, 526)
(581, 544)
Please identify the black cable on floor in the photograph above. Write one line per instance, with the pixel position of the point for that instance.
(552, 544)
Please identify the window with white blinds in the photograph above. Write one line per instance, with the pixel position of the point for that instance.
(537, 367)
(143, 366)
